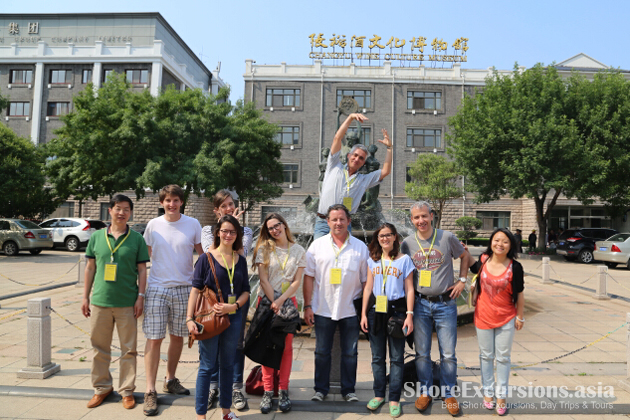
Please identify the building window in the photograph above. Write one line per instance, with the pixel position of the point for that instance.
(87, 76)
(19, 109)
(106, 74)
(424, 100)
(21, 76)
(60, 76)
(407, 175)
(366, 134)
(283, 97)
(494, 219)
(363, 97)
(419, 137)
(288, 135)
(64, 210)
(57, 108)
(290, 172)
(137, 76)
(289, 213)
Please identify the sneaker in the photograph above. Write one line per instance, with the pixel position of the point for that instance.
(351, 397)
(238, 399)
(284, 404)
(267, 402)
(213, 397)
(318, 397)
(150, 403)
(230, 416)
(174, 387)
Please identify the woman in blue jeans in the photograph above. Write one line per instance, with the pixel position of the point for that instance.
(232, 276)
(390, 280)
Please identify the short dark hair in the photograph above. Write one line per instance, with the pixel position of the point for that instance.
(120, 198)
(512, 253)
(338, 207)
(172, 189)
(238, 243)
(376, 252)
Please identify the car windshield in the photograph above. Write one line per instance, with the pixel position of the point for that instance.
(620, 237)
(27, 224)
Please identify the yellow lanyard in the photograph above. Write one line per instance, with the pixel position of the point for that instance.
(284, 264)
(341, 249)
(426, 257)
(230, 273)
(110, 245)
(385, 272)
(349, 182)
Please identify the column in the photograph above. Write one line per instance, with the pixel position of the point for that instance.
(156, 78)
(97, 75)
(39, 341)
(38, 91)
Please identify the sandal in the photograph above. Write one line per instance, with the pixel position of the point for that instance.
(394, 410)
(488, 405)
(375, 403)
(501, 409)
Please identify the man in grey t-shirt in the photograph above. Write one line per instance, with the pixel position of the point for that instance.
(432, 252)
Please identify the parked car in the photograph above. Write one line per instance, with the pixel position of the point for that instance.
(139, 227)
(17, 235)
(580, 243)
(614, 250)
(72, 232)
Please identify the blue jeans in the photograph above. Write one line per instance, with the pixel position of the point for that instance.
(445, 317)
(378, 344)
(218, 351)
(349, 336)
(495, 343)
(239, 361)
(322, 229)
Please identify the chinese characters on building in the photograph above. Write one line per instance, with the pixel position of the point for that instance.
(19, 36)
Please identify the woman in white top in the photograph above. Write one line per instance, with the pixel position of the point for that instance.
(280, 263)
(224, 204)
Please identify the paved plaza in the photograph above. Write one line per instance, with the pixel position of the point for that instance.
(560, 318)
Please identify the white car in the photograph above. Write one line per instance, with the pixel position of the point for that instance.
(614, 250)
(72, 232)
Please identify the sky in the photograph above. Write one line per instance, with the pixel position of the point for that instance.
(500, 33)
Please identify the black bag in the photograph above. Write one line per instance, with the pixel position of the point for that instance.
(395, 326)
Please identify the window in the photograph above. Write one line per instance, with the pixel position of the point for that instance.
(407, 175)
(104, 214)
(418, 137)
(4, 225)
(64, 210)
(19, 109)
(366, 134)
(363, 97)
(86, 76)
(106, 74)
(289, 213)
(290, 173)
(21, 76)
(288, 135)
(137, 76)
(60, 76)
(283, 97)
(424, 100)
(494, 219)
(57, 108)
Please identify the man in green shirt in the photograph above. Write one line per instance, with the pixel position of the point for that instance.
(117, 268)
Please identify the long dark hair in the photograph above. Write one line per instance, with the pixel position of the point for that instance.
(266, 243)
(512, 252)
(375, 248)
(238, 243)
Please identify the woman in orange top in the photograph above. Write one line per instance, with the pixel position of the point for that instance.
(498, 312)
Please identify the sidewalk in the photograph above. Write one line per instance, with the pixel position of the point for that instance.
(560, 319)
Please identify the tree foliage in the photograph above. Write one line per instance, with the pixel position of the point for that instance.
(434, 179)
(468, 224)
(4, 102)
(21, 170)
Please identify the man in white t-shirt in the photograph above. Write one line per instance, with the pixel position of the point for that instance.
(335, 274)
(171, 239)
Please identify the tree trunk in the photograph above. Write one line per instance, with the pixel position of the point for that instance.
(80, 208)
(541, 222)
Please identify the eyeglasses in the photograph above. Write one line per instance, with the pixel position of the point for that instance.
(385, 236)
(275, 227)
(227, 232)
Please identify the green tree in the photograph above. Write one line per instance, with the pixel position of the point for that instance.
(468, 224)
(4, 102)
(22, 172)
(434, 179)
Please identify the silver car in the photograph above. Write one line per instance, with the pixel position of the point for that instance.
(614, 250)
(72, 232)
(17, 235)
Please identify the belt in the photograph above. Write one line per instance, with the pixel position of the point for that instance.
(434, 299)
(321, 216)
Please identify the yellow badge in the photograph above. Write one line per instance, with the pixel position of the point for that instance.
(425, 278)
(335, 276)
(347, 201)
(110, 272)
(232, 301)
(285, 286)
(381, 304)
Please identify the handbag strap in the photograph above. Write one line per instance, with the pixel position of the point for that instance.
(214, 274)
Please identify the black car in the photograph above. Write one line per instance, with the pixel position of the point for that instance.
(580, 243)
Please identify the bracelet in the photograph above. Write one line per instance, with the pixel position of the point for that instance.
(141, 294)
(519, 319)
(389, 148)
(409, 312)
(306, 306)
(237, 306)
(190, 319)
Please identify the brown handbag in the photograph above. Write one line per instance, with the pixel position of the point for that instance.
(204, 314)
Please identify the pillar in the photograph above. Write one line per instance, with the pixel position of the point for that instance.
(39, 341)
(546, 268)
(38, 90)
(602, 274)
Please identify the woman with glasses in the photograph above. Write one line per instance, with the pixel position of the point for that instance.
(390, 281)
(219, 352)
(280, 263)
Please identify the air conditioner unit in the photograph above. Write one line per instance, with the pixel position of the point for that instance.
(28, 119)
(47, 119)
(6, 118)
(413, 150)
(364, 110)
(271, 109)
(292, 148)
(293, 108)
(69, 86)
(30, 86)
(290, 186)
(9, 85)
(49, 85)
(435, 112)
(146, 86)
(413, 112)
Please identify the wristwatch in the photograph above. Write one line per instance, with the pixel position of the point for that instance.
(463, 279)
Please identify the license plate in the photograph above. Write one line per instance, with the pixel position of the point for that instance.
(43, 236)
(602, 248)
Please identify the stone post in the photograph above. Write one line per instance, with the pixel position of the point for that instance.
(80, 272)
(38, 331)
(546, 269)
(625, 383)
(602, 274)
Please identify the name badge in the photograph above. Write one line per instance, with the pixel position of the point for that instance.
(110, 272)
(335, 276)
(285, 286)
(232, 301)
(425, 278)
(347, 201)
(381, 304)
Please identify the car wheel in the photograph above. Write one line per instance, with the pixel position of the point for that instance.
(72, 244)
(35, 251)
(611, 264)
(10, 249)
(586, 256)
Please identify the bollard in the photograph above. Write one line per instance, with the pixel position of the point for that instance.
(602, 274)
(546, 269)
(80, 271)
(625, 383)
(38, 343)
